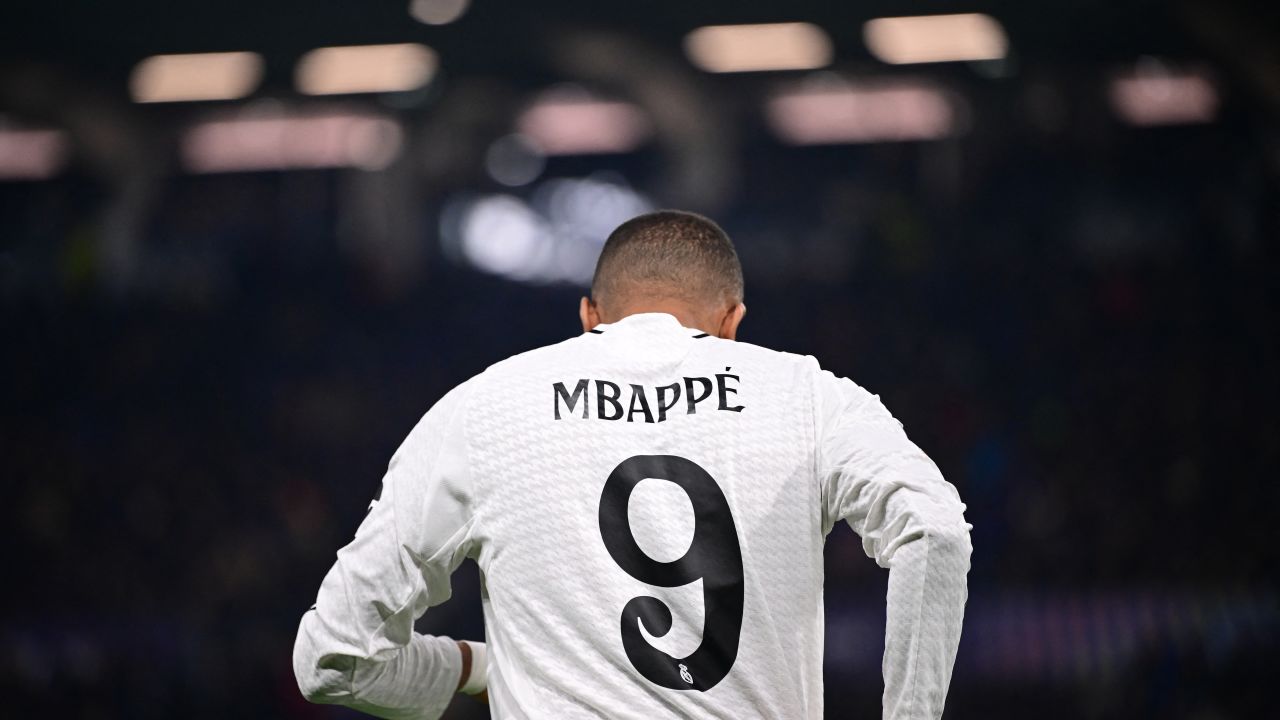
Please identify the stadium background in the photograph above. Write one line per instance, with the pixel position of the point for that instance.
(1057, 265)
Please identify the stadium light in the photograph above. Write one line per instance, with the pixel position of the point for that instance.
(197, 76)
(366, 69)
(438, 12)
(935, 38)
(754, 48)
(573, 123)
(1152, 94)
(31, 154)
(836, 113)
(555, 236)
(322, 140)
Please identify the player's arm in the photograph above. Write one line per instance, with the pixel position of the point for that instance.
(912, 522)
(356, 646)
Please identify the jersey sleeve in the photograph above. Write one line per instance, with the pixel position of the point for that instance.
(911, 521)
(356, 646)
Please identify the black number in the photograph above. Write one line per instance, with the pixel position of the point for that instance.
(714, 556)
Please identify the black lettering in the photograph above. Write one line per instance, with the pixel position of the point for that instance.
(688, 392)
(637, 393)
(611, 398)
(722, 382)
(579, 391)
(675, 398)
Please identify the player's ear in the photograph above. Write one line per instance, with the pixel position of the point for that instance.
(729, 324)
(588, 313)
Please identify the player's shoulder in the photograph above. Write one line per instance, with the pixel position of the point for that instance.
(535, 362)
(751, 353)
(538, 359)
(463, 397)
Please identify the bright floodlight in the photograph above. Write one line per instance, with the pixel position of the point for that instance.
(573, 123)
(837, 113)
(31, 154)
(751, 48)
(366, 69)
(935, 38)
(504, 236)
(199, 76)
(556, 236)
(324, 140)
(437, 12)
(1154, 95)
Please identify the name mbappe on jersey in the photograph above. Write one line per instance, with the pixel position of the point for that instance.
(644, 404)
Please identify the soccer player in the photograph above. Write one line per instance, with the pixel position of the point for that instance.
(648, 504)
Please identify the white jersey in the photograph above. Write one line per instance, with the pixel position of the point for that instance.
(648, 507)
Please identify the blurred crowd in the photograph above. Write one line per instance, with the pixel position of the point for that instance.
(1084, 342)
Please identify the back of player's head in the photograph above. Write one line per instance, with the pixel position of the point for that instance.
(668, 254)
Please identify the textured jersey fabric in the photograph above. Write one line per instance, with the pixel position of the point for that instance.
(648, 507)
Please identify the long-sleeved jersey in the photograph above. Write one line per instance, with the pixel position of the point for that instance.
(648, 507)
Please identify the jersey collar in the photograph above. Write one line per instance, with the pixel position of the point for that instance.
(649, 322)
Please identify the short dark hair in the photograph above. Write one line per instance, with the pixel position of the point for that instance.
(671, 252)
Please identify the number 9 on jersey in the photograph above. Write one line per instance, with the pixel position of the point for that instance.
(714, 556)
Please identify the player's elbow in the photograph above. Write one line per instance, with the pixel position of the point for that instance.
(310, 685)
(310, 678)
(936, 544)
(949, 540)
(320, 675)
(319, 684)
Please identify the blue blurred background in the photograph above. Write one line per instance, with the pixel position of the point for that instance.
(245, 245)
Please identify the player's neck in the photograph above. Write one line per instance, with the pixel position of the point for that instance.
(721, 322)
(684, 315)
